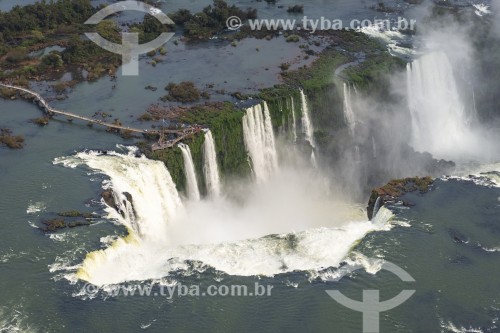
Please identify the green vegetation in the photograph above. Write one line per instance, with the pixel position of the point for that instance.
(43, 16)
(55, 224)
(145, 117)
(396, 188)
(8, 93)
(149, 29)
(225, 122)
(211, 20)
(61, 22)
(373, 74)
(293, 39)
(10, 140)
(183, 92)
(325, 98)
(42, 121)
(75, 213)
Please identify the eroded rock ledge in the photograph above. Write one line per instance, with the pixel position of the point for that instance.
(394, 189)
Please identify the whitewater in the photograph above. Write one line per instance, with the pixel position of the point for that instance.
(289, 220)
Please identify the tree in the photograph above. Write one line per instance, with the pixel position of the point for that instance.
(53, 60)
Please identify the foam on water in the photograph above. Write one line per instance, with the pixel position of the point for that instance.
(487, 175)
(13, 320)
(35, 207)
(449, 327)
(391, 38)
(481, 9)
(168, 236)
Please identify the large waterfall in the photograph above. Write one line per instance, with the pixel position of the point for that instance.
(191, 180)
(210, 167)
(166, 237)
(349, 115)
(259, 141)
(439, 118)
(146, 187)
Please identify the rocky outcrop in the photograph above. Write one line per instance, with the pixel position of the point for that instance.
(67, 219)
(109, 199)
(394, 189)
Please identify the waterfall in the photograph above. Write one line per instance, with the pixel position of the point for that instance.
(191, 181)
(229, 237)
(210, 168)
(294, 120)
(307, 126)
(374, 147)
(145, 188)
(376, 207)
(259, 141)
(357, 155)
(439, 118)
(349, 115)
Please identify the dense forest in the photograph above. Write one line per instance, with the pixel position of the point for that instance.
(45, 15)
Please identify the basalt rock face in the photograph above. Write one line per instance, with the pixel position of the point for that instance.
(394, 189)
(109, 199)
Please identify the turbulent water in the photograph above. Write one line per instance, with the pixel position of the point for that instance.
(189, 170)
(165, 234)
(259, 141)
(440, 121)
(210, 167)
(154, 203)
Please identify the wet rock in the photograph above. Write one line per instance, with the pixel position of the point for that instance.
(78, 224)
(457, 236)
(75, 213)
(109, 199)
(128, 196)
(394, 189)
(53, 225)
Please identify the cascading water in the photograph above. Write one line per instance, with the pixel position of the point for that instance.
(349, 115)
(150, 193)
(191, 180)
(294, 119)
(259, 141)
(210, 167)
(165, 237)
(439, 118)
(307, 126)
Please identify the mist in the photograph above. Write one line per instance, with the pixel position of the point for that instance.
(435, 116)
